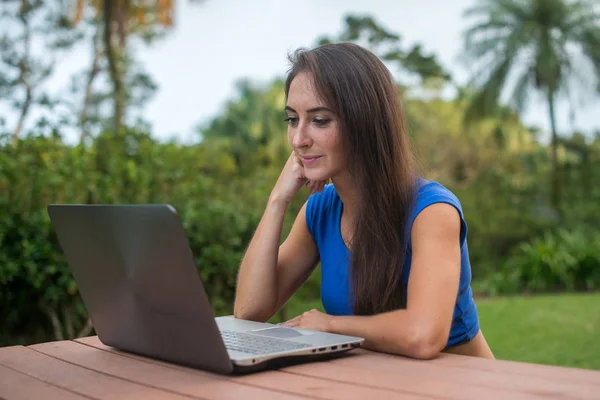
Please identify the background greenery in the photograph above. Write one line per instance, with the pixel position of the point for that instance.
(532, 207)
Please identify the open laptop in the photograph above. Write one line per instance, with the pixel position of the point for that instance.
(138, 279)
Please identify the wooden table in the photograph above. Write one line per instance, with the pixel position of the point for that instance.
(86, 369)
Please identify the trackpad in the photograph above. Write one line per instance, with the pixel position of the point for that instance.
(278, 332)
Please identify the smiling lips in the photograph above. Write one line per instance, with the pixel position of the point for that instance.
(309, 160)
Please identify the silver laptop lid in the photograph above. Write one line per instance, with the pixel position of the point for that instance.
(138, 279)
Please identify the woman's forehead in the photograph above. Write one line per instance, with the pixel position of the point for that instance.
(303, 94)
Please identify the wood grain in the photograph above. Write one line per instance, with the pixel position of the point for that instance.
(188, 381)
(279, 381)
(522, 369)
(18, 386)
(492, 380)
(76, 379)
(427, 385)
(321, 388)
(87, 369)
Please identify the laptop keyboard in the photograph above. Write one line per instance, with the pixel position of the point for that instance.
(255, 344)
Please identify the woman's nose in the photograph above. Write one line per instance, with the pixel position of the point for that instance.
(301, 137)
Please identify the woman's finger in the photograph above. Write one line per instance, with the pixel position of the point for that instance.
(292, 322)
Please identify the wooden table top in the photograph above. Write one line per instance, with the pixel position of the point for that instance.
(86, 369)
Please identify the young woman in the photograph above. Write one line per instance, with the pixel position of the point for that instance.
(392, 246)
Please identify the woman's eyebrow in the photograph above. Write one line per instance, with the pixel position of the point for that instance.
(311, 110)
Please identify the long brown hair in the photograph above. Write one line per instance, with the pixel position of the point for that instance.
(364, 95)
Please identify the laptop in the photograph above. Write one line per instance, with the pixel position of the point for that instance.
(140, 284)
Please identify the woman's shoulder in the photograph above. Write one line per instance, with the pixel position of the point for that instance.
(432, 192)
(429, 192)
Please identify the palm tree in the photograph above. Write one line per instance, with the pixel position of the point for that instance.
(544, 45)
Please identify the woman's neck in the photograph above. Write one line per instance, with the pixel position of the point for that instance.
(346, 190)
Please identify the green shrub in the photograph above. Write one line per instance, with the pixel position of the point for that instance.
(39, 300)
(562, 260)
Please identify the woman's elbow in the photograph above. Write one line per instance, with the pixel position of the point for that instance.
(250, 314)
(241, 312)
(426, 344)
(425, 351)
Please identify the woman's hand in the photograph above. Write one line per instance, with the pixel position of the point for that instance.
(291, 179)
(313, 319)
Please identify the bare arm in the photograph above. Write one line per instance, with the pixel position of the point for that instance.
(421, 330)
(269, 274)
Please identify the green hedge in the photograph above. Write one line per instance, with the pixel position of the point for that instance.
(514, 241)
(219, 210)
(562, 260)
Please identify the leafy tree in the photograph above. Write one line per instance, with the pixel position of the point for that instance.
(365, 30)
(29, 24)
(115, 22)
(543, 43)
(253, 126)
(459, 155)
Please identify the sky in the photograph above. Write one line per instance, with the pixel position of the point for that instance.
(216, 42)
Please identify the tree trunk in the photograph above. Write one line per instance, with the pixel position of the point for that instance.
(56, 325)
(86, 330)
(24, 110)
(88, 91)
(555, 179)
(113, 64)
(24, 75)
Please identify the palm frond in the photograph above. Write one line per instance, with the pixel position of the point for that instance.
(490, 26)
(483, 7)
(506, 47)
(485, 101)
(494, 35)
(579, 76)
(590, 43)
(519, 9)
(541, 44)
(522, 89)
(581, 14)
(478, 49)
(493, 14)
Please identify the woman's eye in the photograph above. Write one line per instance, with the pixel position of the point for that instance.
(322, 122)
(291, 120)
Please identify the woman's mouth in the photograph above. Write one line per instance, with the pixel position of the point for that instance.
(310, 160)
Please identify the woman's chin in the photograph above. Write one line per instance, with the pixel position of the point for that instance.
(316, 176)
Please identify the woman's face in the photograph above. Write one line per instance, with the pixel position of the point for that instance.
(313, 131)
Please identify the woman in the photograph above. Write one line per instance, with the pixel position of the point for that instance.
(392, 246)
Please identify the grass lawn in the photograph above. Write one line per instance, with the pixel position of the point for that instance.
(555, 329)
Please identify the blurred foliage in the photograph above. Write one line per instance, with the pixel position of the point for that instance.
(220, 186)
(556, 261)
(366, 31)
(519, 239)
(39, 297)
(529, 46)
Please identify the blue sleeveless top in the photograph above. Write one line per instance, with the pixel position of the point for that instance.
(323, 215)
